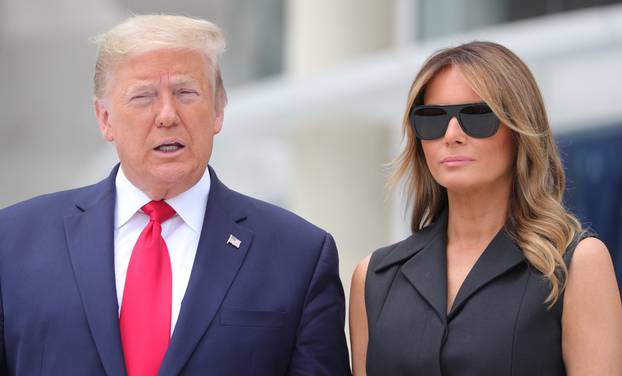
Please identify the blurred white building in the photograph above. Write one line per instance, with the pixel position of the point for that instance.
(317, 91)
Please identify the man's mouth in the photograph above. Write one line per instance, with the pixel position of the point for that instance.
(169, 147)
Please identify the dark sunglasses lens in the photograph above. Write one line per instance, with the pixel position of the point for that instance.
(479, 121)
(430, 122)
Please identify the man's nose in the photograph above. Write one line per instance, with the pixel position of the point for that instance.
(454, 133)
(167, 115)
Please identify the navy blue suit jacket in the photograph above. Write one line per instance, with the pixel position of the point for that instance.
(275, 306)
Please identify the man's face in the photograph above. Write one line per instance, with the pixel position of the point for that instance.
(160, 111)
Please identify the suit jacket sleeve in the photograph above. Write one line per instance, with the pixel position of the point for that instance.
(320, 345)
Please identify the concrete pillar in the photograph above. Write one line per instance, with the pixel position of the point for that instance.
(323, 33)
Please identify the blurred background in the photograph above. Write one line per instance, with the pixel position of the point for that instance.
(317, 90)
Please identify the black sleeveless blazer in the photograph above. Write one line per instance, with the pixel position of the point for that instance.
(498, 324)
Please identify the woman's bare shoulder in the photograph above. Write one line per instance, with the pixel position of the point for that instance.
(361, 270)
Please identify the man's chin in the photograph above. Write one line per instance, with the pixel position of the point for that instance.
(174, 178)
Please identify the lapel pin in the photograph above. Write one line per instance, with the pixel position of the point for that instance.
(234, 241)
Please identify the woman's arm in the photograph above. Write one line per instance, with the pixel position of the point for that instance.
(592, 315)
(358, 318)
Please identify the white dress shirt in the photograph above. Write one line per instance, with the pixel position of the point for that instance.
(181, 233)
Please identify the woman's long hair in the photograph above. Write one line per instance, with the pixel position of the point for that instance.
(537, 220)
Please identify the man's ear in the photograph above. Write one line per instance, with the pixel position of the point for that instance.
(218, 120)
(103, 119)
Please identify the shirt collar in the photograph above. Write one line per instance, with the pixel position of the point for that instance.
(189, 205)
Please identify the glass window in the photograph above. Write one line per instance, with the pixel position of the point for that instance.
(594, 182)
(442, 17)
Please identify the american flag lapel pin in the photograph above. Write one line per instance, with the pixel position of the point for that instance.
(234, 241)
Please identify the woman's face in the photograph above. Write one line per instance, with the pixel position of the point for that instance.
(459, 162)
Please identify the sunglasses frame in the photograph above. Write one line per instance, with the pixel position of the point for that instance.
(451, 111)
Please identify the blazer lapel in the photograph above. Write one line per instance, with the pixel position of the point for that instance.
(90, 240)
(424, 257)
(424, 263)
(215, 266)
(426, 271)
(499, 256)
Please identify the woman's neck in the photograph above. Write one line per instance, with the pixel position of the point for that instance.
(475, 217)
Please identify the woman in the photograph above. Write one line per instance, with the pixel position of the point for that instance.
(485, 285)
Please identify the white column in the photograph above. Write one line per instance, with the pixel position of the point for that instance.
(323, 33)
(338, 157)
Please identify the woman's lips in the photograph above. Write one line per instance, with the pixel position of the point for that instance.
(456, 160)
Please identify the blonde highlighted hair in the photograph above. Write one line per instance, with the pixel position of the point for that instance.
(537, 220)
(143, 33)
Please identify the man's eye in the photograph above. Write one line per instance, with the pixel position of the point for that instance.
(187, 92)
(141, 97)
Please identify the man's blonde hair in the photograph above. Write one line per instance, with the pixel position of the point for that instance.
(142, 33)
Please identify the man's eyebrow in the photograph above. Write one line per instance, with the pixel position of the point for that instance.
(140, 86)
(183, 80)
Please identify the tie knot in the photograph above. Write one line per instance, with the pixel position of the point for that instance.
(158, 211)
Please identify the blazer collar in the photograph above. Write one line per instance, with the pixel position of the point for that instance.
(95, 194)
(422, 259)
(415, 243)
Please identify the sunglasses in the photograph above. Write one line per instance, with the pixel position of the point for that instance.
(475, 119)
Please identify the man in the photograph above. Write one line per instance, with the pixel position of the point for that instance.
(161, 269)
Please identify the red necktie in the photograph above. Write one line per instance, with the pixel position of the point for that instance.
(146, 306)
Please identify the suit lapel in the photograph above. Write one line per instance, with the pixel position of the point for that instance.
(423, 263)
(424, 258)
(90, 239)
(499, 256)
(215, 266)
(426, 271)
